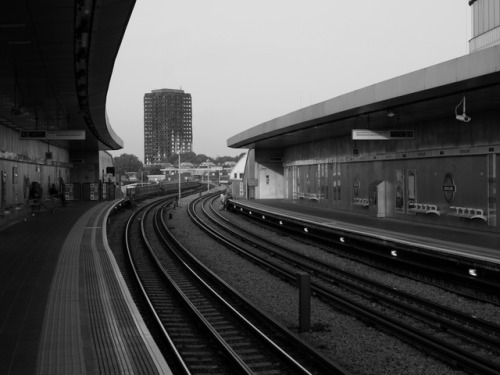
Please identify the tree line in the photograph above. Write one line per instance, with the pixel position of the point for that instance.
(131, 163)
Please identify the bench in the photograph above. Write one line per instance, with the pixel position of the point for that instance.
(467, 213)
(424, 208)
(313, 197)
(310, 196)
(363, 202)
(298, 195)
(35, 205)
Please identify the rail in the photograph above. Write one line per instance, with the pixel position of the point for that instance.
(452, 321)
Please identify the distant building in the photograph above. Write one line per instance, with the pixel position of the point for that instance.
(238, 170)
(207, 164)
(167, 124)
(228, 165)
(485, 24)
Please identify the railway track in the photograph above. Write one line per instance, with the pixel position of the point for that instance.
(461, 339)
(201, 318)
(451, 272)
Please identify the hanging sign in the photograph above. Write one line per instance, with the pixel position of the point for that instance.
(62, 135)
(381, 135)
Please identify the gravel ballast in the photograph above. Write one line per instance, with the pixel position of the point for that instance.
(358, 347)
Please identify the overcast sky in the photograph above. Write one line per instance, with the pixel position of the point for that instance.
(247, 62)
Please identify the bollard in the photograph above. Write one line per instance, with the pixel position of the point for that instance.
(304, 281)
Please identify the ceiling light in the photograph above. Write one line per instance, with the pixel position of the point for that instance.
(390, 113)
(12, 25)
(19, 43)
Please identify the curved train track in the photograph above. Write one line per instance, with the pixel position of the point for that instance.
(207, 326)
(457, 338)
(472, 278)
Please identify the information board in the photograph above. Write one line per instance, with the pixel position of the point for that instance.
(73, 135)
(381, 135)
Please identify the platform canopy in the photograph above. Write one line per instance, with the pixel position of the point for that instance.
(56, 61)
(404, 102)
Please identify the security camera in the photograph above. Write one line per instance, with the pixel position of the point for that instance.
(463, 118)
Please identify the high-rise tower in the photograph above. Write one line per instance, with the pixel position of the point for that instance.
(167, 124)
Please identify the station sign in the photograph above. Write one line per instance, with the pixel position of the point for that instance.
(253, 182)
(61, 135)
(381, 135)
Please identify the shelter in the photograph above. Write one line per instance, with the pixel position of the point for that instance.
(56, 61)
(422, 146)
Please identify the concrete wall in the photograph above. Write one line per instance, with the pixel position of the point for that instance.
(90, 166)
(23, 162)
(447, 164)
(270, 174)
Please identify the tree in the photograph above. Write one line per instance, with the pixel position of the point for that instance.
(153, 169)
(127, 163)
(131, 163)
(222, 159)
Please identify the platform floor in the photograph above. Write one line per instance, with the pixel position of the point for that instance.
(64, 307)
(464, 241)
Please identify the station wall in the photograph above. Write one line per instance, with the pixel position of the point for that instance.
(23, 162)
(264, 174)
(446, 174)
(89, 167)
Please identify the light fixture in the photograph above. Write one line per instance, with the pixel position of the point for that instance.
(394, 253)
(463, 117)
(390, 113)
(342, 239)
(472, 272)
(19, 42)
(12, 25)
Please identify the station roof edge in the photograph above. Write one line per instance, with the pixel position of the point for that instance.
(460, 74)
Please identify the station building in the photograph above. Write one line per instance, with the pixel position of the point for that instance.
(56, 61)
(421, 147)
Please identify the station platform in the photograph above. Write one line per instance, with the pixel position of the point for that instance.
(467, 242)
(64, 306)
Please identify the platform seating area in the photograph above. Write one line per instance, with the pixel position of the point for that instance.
(363, 202)
(310, 196)
(467, 213)
(313, 196)
(424, 208)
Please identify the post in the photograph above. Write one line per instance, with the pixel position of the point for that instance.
(179, 177)
(208, 176)
(304, 281)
